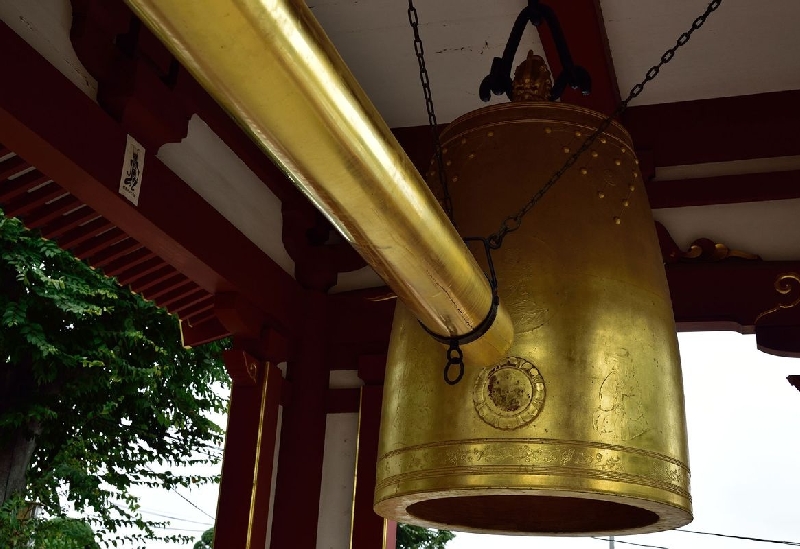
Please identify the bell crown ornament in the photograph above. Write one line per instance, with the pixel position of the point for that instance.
(532, 80)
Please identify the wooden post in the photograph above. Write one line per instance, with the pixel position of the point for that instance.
(244, 490)
(369, 531)
(297, 491)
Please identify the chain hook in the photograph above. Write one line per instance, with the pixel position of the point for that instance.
(499, 81)
(455, 357)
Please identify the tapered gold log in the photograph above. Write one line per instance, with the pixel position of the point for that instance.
(269, 63)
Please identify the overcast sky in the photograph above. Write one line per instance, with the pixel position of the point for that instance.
(744, 442)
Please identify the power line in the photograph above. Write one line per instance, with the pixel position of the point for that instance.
(175, 518)
(192, 504)
(183, 530)
(746, 538)
(630, 543)
(184, 498)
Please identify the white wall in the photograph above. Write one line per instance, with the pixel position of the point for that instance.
(338, 482)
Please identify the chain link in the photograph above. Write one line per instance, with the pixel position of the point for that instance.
(455, 357)
(413, 19)
(513, 222)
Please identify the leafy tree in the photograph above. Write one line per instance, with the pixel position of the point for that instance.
(206, 540)
(97, 394)
(64, 533)
(417, 537)
(19, 529)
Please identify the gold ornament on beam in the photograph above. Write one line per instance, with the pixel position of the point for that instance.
(580, 428)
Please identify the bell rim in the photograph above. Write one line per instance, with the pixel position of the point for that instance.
(670, 516)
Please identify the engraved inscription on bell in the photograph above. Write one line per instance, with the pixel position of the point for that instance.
(510, 394)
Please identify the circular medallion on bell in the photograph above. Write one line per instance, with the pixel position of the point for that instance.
(510, 394)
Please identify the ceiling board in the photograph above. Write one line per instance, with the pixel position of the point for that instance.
(744, 48)
(460, 40)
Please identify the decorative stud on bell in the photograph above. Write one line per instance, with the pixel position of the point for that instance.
(580, 430)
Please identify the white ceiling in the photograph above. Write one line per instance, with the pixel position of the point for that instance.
(460, 39)
(746, 47)
(770, 229)
(45, 25)
(740, 51)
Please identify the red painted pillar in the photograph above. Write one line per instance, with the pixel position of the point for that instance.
(297, 491)
(244, 492)
(390, 541)
(369, 531)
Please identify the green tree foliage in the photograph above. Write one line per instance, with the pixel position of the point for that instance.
(97, 394)
(206, 540)
(417, 537)
(64, 533)
(19, 529)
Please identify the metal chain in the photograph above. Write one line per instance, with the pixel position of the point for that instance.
(513, 222)
(413, 19)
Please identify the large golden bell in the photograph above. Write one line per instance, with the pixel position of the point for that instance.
(581, 429)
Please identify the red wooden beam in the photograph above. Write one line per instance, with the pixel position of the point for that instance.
(175, 292)
(165, 275)
(54, 126)
(585, 31)
(68, 222)
(716, 130)
(199, 313)
(133, 274)
(726, 189)
(18, 186)
(11, 166)
(744, 296)
(109, 254)
(127, 261)
(200, 333)
(188, 300)
(99, 242)
(78, 235)
(29, 201)
(183, 296)
(52, 211)
(156, 284)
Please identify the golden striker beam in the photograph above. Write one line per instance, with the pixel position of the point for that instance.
(270, 64)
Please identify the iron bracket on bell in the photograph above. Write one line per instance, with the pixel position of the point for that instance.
(498, 81)
(455, 357)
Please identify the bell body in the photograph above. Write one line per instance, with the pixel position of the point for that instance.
(580, 430)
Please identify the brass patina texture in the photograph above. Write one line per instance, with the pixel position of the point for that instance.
(580, 429)
(271, 66)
